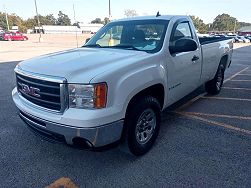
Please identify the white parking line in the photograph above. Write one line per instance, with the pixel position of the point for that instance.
(239, 64)
(240, 80)
(191, 101)
(231, 77)
(226, 98)
(218, 115)
(244, 75)
(237, 88)
(203, 94)
(215, 123)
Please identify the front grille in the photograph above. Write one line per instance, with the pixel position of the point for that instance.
(47, 93)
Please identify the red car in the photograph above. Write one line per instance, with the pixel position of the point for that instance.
(13, 36)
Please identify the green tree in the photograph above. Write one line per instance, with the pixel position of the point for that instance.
(63, 19)
(49, 20)
(242, 24)
(3, 23)
(14, 20)
(106, 21)
(97, 21)
(30, 23)
(199, 24)
(224, 22)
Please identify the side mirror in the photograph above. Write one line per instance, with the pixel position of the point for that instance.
(183, 45)
(87, 40)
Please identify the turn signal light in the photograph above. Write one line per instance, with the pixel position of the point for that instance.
(100, 95)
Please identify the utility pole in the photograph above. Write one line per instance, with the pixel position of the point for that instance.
(110, 43)
(6, 17)
(76, 32)
(235, 25)
(110, 14)
(38, 22)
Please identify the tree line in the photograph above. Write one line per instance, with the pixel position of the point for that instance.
(30, 23)
(221, 23)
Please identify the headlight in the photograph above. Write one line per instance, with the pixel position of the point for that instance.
(87, 96)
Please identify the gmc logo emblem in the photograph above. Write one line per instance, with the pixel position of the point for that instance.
(31, 90)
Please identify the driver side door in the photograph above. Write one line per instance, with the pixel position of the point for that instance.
(184, 67)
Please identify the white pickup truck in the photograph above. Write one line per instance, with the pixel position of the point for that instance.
(115, 86)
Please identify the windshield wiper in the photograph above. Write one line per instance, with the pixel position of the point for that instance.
(125, 46)
(92, 46)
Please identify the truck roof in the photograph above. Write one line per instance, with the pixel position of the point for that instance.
(164, 17)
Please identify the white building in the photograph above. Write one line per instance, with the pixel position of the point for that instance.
(14, 29)
(90, 28)
(56, 29)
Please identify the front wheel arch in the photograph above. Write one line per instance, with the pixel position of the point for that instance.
(157, 91)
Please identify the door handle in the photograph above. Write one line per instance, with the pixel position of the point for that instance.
(195, 58)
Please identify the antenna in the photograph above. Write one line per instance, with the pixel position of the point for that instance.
(76, 25)
(158, 14)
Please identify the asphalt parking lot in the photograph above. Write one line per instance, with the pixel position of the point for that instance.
(204, 141)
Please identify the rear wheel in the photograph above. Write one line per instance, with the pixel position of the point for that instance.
(213, 86)
(142, 123)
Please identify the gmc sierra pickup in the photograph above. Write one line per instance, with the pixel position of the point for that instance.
(115, 86)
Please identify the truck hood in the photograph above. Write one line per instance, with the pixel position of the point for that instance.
(79, 65)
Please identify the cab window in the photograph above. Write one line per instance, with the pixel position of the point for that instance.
(181, 31)
(113, 33)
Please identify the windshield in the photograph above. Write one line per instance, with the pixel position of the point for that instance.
(141, 35)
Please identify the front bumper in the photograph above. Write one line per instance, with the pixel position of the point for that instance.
(41, 122)
(95, 137)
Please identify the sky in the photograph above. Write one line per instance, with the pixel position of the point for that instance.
(87, 10)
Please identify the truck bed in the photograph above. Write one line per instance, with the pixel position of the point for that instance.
(208, 40)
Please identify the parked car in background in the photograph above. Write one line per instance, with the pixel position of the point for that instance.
(245, 40)
(219, 35)
(1, 34)
(237, 39)
(13, 36)
(231, 36)
(248, 37)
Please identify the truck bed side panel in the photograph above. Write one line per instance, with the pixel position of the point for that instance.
(212, 54)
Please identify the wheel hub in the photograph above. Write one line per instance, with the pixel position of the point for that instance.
(145, 126)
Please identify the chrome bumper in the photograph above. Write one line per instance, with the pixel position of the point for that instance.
(96, 137)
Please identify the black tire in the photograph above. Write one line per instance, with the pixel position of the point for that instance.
(141, 135)
(213, 86)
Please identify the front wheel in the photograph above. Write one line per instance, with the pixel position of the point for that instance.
(142, 123)
(213, 86)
